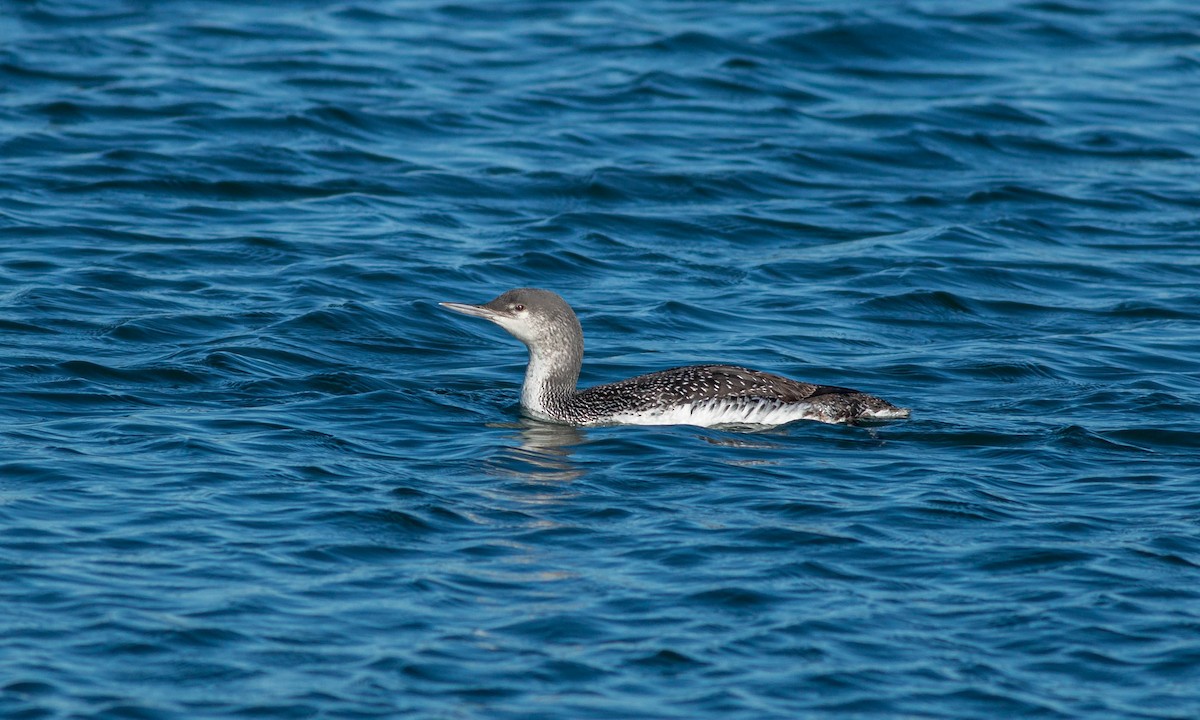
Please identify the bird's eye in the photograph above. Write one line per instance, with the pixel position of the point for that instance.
(518, 307)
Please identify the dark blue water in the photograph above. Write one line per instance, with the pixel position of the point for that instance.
(248, 468)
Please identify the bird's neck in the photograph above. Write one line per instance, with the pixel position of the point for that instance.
(551, 377)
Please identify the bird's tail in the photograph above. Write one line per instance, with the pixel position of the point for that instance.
(873, 408)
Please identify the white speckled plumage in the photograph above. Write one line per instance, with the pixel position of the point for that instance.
(703, 395)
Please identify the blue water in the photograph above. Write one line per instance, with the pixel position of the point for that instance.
(248, 468)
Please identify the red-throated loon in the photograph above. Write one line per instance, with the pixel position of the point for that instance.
(702, 395)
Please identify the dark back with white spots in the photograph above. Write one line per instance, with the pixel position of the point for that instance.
(693, 384)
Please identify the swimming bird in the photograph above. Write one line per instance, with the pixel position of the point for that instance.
(703, 395)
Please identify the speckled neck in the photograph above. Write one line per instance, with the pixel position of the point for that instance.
(555, 359)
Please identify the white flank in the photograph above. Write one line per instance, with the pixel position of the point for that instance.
(707, 414)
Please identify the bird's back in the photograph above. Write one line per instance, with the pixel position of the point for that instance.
(719, 395)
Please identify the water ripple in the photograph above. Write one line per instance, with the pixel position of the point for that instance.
(243, 446)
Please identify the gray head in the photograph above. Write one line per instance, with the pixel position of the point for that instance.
(539, 318)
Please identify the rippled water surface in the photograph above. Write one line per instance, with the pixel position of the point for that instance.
(248, 468)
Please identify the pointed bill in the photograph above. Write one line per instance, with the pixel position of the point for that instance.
(472, 310)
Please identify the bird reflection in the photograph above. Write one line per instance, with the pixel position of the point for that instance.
(543, 452)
